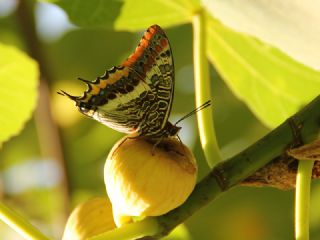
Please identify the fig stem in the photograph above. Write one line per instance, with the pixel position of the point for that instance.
(203, 91)
(302, 204)
(229, 173)
(19, 224)
(234, 170)
(146, 227)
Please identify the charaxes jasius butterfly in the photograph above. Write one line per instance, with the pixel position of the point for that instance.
(136, 97)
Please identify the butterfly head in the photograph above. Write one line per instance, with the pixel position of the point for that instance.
(86, 108)
(83, 106)
(172, 130)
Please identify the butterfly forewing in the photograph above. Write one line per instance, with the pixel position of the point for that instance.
(137, 95)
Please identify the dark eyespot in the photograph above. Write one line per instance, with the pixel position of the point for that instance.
(93, 99)
(122, 90)
(103, 101)
(129, 88)
(135, 81)
(111, 96)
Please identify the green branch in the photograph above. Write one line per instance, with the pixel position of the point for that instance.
(234, 170)
(131, 231)
(307, 154)
(203, 91)
(19, 224)
(302, 204)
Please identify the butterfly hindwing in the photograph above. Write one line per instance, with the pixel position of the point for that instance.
(137, 95)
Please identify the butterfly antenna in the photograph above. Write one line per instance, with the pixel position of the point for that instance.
(206, 104)
(63, 93)
(85, 81)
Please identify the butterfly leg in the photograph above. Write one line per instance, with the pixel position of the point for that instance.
(182, 147)
(124, 140)
(156, 144)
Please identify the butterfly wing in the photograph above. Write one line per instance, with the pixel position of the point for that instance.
(137, 95)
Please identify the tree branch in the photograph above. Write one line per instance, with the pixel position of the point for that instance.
(48, 132)
(239, 168)
(259, 158)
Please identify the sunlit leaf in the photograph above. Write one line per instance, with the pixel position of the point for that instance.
(48, 1)
(129, 15)
(272, 84)
(139, 14)
(292, 26)
(93, 13)
(18, 92)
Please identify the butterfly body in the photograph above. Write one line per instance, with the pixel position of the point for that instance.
(135, 97)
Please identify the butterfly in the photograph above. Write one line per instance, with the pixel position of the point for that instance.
(136, 96)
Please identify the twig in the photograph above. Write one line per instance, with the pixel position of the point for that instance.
(203, 91)
(233, 171)
(48, 133)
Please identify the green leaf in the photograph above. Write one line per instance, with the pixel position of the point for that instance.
(19, 76)
(129, 15)
(93, 13)
(292, 26)
(272, 84)
(48, 1)
(139, 14)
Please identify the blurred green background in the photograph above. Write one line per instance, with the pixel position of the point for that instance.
(32, 181)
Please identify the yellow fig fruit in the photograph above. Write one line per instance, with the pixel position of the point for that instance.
(147, 180)
(89, 219)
